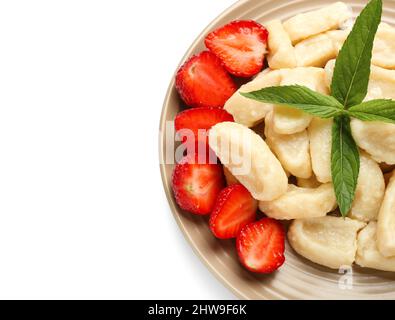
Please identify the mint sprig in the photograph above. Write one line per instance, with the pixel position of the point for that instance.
(375, 110)
(348, 90)
(352, 69)
(299, 97)
(345, 162)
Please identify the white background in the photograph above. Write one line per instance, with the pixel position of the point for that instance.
(82, 209)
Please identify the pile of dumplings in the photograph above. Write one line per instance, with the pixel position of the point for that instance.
(289, 151)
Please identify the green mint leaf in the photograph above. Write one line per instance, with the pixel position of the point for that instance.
(345, 163)
(352, 69)
(299, 97)
(375, 110)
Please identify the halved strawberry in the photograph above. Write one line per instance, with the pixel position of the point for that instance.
(234, 208)
(241, 46)
(203, 82)
(199, 121)
(261, 246)
(196, 186)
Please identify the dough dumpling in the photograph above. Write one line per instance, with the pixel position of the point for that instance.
(249, 159)
(338, 38)
(386, 222)
(289, 120)
(384, 47)
(318, 50)
(329, 241)
(381, 83)
(311, 182)
(376, 138)
(248, 111)
(320, 134)
(315, 51)
(301, 203)
(281, 52)
(291, 149)
(329, 69)
(305, 25)
(368, 255)
(370, 190)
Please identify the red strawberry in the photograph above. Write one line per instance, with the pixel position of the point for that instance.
(261, 246)
(199, 119)
(203, 82)
(234, 208)
(241, 45)
(196, 186)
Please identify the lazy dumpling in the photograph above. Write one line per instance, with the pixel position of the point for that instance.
(311, 182)
(291, 149)
(248, 111)
(289, 120)
(386, 221)
(314, 51)
(305, 25)
(368, 255)
(370, 190)
(381, 83)
(301, 203)
(329, 69)
(249, 159)
(384, 47)
(318, 50)
(320, 134)
(329, 241)
(281, 52)
(338, 38)
(376, 138)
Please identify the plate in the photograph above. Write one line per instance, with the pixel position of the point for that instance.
(298, 278)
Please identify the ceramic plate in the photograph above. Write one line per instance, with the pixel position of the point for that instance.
(298, 278)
